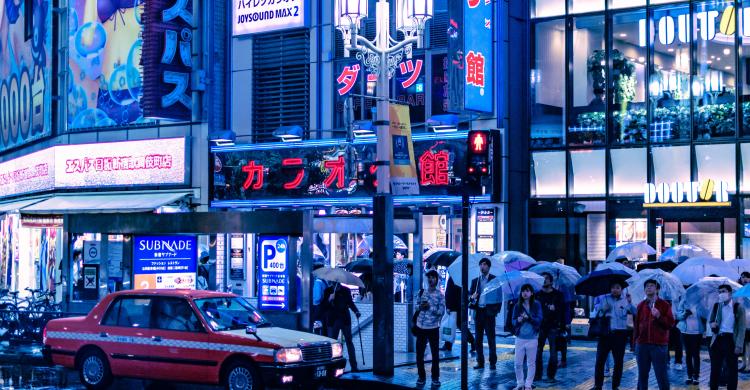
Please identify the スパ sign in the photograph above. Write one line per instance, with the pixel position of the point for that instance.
(273, 280)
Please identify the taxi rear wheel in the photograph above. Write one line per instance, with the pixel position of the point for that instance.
(242, 376)
(94, 370)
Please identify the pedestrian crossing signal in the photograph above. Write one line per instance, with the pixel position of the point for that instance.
(478, 156)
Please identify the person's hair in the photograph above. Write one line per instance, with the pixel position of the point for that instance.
(410, 265)
(526, 287)
(621, 259)
(652, 281)
(317, 266)
(745, 274)
(615, 282)
(546, 274)
(486, 261)
(726, 286)
(432, 273)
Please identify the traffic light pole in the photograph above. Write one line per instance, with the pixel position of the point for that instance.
(465, 208)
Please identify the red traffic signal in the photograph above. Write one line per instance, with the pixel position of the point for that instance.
(478, 141)
(478, 153)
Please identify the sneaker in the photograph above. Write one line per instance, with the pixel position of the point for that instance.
(421, 381)
(435, 383)
(678, 366)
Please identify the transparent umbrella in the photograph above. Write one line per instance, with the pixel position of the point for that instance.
(631, 251)
(741, 265)
(338, 275)
(513, 261)
(511, 283)
(680, 253)
(454, 270)
(563, 275)
(671, 286)
(616, 267)
(398, 243)
(705, 292)
(696, 268)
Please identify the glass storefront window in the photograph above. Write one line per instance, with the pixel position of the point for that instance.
(548, 84)
(669, 79)
(628, 171)
(714, 82)
(628, 75)
(744, 71)
(671, 164)
(547, 229)
(581, 6)
(545, 8)
(614, 4)
(588, 172)
(745, 175)
(717, 162)
(589, 82)
(548, 174)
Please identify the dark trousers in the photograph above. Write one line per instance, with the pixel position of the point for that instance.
(485, 322)
(675, 345)
(430, 336)
(544, 335)
(722, 353)
(562, 347)
(333, 332)
(692, 343)
(648, 355)
(615, 343)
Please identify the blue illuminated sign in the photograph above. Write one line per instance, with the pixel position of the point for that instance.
(273, 283)
(164, 262)
(478, 55)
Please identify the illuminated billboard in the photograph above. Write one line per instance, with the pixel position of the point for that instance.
(25, 68)
(105, 80)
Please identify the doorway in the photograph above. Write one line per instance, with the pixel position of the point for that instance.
(717, 235)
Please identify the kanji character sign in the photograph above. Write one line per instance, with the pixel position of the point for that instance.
(254, 177)
(475, 69)
(337, 172)
(413, 67)
(348, 78)
(433, 168)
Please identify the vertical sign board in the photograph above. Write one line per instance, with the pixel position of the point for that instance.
(485, 231)
(470, 47)
(90, 290)
(167, 59)
(164, 262)
(237, 257)
(403, 170)
(273, 281)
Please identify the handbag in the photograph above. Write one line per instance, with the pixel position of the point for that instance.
(415, 316)
(599, 326)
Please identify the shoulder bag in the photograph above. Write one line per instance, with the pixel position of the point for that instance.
(599, 326)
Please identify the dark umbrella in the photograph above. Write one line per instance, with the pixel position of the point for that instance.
(599, 282)
(443, 258)
(666, 265)
(365, 266)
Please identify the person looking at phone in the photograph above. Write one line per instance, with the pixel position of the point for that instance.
(692, 327)
(653, 319)
(431, 310)
(527, 317)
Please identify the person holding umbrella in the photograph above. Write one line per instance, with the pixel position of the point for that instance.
(616, 306)
(338, 300)
(527, 317)
(727, 323)
(653, 319)
(552, 322)
(431, 310)
(745, 368)
(692, 327)
(484, 319)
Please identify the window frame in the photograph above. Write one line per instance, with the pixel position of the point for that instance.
(160, 301)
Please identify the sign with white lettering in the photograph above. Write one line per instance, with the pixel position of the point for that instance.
(164, 262)
(256, 16)
(705, 193)
(273, 283)
(31, 173)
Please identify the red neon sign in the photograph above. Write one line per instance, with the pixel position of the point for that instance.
(337, 172)
(295, 163)
(254, 177)
(433, 168)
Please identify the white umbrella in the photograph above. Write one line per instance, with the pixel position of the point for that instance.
(454, 270)
(741, 265)
(697, 268)
(616, 267)
(511, 283)
(705, 292)
(434, 250)
(338, 275)
(513, 260)
(631, 251)
(671, 287)
(680, 253)
(563, 275)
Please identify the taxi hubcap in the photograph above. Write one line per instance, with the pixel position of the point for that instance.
(240, 378)
(93, 369)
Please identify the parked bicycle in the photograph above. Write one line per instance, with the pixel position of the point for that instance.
(24, 318)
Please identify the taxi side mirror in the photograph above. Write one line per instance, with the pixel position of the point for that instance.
(252, 330)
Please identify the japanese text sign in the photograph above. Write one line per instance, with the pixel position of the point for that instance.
(167, 59)
(256, 16)
(470, 39)
(273, 284)
(403, 172)
(31, 173)
(164, 262)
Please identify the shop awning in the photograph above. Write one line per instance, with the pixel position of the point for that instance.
(105, 203)
(7, 207)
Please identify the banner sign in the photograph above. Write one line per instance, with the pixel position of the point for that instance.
(167, 59)
(332, 169)
(470, 37)
(256, 16)
(25, 71)
(704, 193)
(273, 284)
(164, 262)
(127, 163)
(403, 173)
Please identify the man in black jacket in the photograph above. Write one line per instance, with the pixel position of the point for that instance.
(338, 301)
(453, 305)
(484, 315)
(553, 320)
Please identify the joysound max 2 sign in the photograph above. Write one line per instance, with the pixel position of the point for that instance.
(257, 16)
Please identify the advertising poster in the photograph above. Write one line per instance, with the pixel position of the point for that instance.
(471, 62)
(255, 16)
(105, 79)
(403, 172)
(273, 283)
(164, 262)
(237, 257)
(25, 71)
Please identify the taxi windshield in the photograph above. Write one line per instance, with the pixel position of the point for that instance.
(230, 313)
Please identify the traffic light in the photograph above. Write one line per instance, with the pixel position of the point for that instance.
(478, 155)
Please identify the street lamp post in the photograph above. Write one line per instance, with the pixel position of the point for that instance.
(381, 57)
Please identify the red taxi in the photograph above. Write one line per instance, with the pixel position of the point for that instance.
(188, 336)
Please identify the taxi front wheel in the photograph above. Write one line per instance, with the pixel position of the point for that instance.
(94, 370)
(242, 376)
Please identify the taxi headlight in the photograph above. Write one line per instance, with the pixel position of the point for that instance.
(289, 355)
(337, 349)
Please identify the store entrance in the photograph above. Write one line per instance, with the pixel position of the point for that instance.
(717, 235)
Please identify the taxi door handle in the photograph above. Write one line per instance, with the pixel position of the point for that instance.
(155, 338)
(103, 334)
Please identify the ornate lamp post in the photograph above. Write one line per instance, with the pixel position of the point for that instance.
(381, 57)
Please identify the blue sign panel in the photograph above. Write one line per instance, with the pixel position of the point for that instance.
(478, 55)
(164, 261)
(273, 283)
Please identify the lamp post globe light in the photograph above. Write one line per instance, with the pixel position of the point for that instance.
(381, 57)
